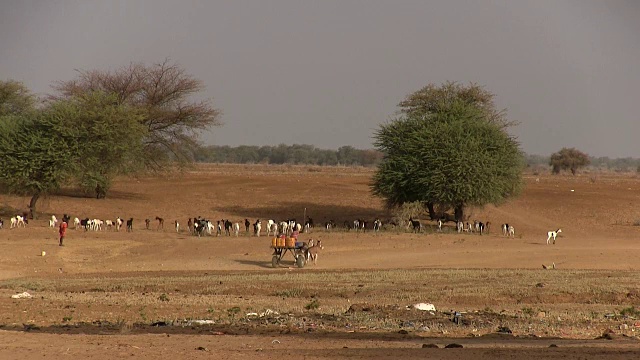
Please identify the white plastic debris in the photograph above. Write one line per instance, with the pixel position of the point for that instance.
(24, 295)
(268, 312)
(424, 307)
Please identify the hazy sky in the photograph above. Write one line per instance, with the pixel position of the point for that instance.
(328, 73)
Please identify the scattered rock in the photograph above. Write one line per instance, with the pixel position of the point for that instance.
(453, 346)
(607, 335)
(403, 332)
(541, 285)
(624, 327)
(541, 314)
(159, 323)
(202, 348)
(504, 330)
(430, 346)
(553, 346)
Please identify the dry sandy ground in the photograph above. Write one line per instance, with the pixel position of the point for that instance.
(596, 218)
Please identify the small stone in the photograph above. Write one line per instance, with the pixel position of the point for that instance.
(430, 346)
(453, 346)
(553, 346)
(541, 314)
(403, 332)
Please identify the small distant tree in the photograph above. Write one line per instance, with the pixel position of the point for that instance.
(15, 98)
(568, 159)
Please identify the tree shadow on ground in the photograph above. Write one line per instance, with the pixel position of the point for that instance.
(295, 210)
(111, 194)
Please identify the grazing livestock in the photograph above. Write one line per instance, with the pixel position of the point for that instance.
(130, 225)
(147, 222)
(108, 224)
(257, 226)
(228, 225)
(415, 224)
(85, 223)
(190, 225)
(272, 227)
(552, 234)
(505, 229)
(460, 226)
(160, 223)
(439, 224)
(119, 222)
(53, 221)
(308, 225)
(247, 224)
(329, 225)
(512, 231)
(377, 225)
(76, 223)
(177, 226)
(1, 223)
(236, 229)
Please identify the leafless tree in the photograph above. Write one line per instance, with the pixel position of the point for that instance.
(164, 92)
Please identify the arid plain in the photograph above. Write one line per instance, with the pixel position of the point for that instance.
(160, 294)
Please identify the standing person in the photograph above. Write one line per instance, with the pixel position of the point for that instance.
(63, 228)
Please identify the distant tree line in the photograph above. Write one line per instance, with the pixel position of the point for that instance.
(348, 155)
(287, 154)
(604, 163)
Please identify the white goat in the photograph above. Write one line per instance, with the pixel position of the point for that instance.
(53, 221)
(552, 234)
(119, 223)
(177, 224)
(76, 223)
(512, 231)
(439, 225)
(16, 221)
(108, 224)
(236, 228)
(272, 227)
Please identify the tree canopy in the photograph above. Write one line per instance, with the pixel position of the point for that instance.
(568, 159)
(452, 155)
(15, 98)
(86, 139)
(162, 92)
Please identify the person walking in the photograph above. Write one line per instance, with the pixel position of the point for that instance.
(63, 229)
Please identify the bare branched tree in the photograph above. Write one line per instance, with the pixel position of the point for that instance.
(164, 92)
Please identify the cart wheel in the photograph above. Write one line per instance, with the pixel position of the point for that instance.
(274, 261)
(300, 261)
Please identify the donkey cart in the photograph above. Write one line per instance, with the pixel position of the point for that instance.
(280, 251)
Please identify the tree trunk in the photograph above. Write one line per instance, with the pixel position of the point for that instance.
(432, 213)
(459, 212)
(32, 205)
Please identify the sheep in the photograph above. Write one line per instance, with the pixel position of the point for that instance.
(53, 221)
(177, 226)
(552, 234)
(160, 223)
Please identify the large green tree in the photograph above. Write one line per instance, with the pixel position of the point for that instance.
(568, 159)
(452, 155)
(87, 139)
(164, 93)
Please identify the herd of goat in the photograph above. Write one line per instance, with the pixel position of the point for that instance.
(200, 226)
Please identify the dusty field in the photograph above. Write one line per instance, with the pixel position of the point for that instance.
(105, 290)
